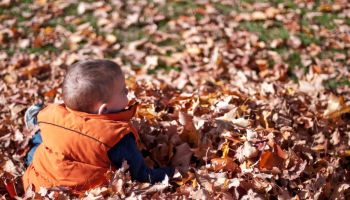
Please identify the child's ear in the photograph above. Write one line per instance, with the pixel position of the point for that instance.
(102, 109)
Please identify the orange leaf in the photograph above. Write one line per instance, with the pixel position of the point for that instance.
(225, 164)
(275, 158)
(267, 160)
(316, 69)
(51, 93)
(38, 42)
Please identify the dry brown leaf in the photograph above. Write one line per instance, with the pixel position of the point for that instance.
(189, 133)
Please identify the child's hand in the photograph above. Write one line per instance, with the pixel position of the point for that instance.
(181, 170)
(181, 159)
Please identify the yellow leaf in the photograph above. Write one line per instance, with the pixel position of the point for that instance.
(265, 115)
(48, 30)
(243, 108)
(147, 111)
(345, 153)
(325, 8)
(290, 91)
(184, 180)
(194, 183)
(225, 149)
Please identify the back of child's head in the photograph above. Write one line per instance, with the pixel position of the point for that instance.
(88, 83)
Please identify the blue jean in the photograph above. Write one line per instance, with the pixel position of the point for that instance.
(35, 142)
(31, 121)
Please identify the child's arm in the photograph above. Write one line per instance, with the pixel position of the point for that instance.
(126, 149)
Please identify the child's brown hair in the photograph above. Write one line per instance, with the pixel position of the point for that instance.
(88, 83)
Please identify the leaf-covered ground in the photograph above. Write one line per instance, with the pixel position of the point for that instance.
(252, 96)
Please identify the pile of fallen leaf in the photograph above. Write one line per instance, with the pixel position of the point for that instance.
(252, 98)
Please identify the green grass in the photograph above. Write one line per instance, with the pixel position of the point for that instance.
(14, 12)
(172, 10)
(10, 51)
(330, 52)
(27, 1)
(130, 34)
(227, 9)
(90, 18)
(163, 24)
(266, 34)
(334, 83)
(304, 22)
(31, 50)
(326, 20)
(307, 39)
(294, 60)
(72, 9)
(347, 21)
(198, 16)
(163, 66)
(282, 50)
(2, 10)
(40, 50)
(60, 21)
(167, 42)
(287, 3)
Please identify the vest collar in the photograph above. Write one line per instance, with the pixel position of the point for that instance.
(123, 115)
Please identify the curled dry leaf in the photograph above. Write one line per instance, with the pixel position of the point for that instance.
(199, 194)
(336, 107)
(205, 182)
(246, 151)
(158, 187)
(231, 116)
(258, 15)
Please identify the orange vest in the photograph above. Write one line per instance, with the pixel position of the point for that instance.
(74, 150)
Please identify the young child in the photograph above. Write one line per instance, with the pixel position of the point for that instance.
(79, 141)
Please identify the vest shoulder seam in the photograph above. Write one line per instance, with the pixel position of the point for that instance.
(52, 124)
